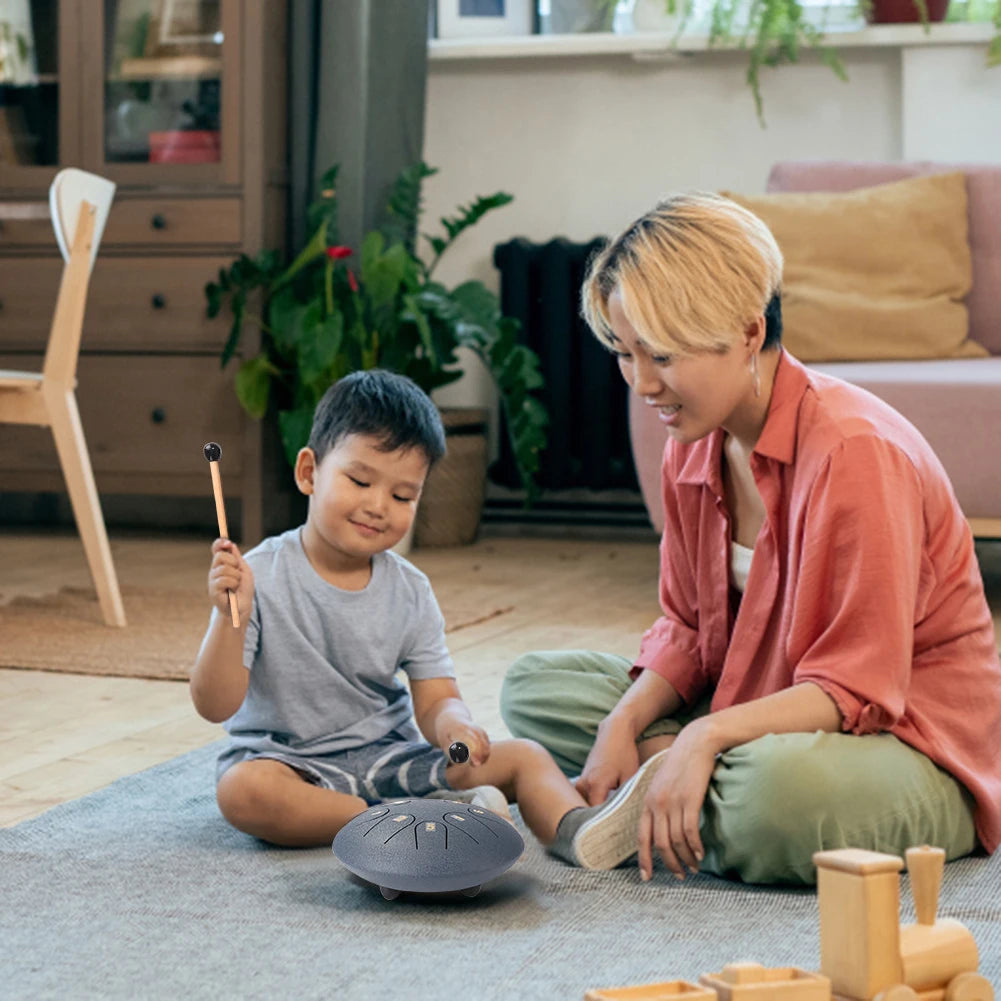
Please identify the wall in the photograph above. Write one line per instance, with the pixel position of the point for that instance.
(585, 143)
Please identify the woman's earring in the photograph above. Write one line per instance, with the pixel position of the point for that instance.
(755, 376)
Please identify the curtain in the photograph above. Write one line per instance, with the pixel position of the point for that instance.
(357, 83)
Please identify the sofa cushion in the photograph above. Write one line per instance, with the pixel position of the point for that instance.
(874, 273)
(956, 404)
(983, 186)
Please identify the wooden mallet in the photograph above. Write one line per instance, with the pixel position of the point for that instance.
(214, 453)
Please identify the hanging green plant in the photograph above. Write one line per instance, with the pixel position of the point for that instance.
(774, 32)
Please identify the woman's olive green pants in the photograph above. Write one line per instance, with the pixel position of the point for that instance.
(772, 802)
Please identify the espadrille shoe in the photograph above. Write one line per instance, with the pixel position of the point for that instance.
(489, 797)
(609, 837)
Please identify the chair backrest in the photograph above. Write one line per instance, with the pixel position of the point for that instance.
(79, 203)
(69, 188)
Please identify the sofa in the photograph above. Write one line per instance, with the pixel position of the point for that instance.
(954, 402)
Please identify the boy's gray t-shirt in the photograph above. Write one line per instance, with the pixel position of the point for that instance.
(323, 661)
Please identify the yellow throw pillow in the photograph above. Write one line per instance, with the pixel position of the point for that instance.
(875, 273)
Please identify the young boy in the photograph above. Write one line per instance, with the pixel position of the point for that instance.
(320, 726)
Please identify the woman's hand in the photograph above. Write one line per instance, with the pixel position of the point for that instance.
(673, 803)
(230, 572)
(612, 760)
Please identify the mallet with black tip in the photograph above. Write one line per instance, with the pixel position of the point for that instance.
(214, 453)
(458, 752)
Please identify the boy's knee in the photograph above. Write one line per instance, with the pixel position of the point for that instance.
(531, 751)
(523, 753)
(243, 795)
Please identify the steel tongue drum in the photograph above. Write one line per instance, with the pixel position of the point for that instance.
(428, 846)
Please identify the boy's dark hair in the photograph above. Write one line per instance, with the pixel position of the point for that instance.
(387, 406)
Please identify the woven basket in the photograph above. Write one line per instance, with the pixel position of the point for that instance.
(452, 501)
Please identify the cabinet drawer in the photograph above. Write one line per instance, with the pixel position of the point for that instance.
(170, 222)
(133, 304)
(30, 226)
(28, 288)
(145, 417)
(154, 304)
(166, 222)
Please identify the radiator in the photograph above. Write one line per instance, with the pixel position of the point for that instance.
(584, 393)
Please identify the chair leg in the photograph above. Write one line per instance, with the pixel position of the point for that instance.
(64, 418)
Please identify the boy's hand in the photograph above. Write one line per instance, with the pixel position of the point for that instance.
(474, 737)
(230, 572)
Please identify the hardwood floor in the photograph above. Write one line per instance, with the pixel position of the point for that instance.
(64, 735)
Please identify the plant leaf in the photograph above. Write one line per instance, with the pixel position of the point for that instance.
(316, 248)
(319, 346)
(286, 318)
(404, 207)
(236, 303)
(295, 425)
(468, 216)
(253, 385)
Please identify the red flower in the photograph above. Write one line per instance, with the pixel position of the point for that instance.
(336, 253)
(352, 281)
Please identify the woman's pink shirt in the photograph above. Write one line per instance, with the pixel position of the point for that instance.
(864, 581)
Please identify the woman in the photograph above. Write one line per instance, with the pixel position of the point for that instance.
(824, 673)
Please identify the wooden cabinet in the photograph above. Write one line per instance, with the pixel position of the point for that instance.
(183, 106)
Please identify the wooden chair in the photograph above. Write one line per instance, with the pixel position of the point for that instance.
(79, 204)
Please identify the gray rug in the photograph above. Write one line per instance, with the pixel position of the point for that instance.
(143, 891)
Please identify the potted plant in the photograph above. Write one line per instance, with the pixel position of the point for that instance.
(333, 310)
(571, 16)
(774, 31)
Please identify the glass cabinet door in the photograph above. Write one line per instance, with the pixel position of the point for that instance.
(168, 91)
(31, 94)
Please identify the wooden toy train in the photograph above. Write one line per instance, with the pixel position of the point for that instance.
(865, 953)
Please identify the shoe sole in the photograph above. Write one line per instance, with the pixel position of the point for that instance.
(491, 798)
(488, 797)
(609, 838)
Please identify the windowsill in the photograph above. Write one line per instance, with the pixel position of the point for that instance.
(651, 45)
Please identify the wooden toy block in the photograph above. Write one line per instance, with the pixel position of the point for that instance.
(754, 982)
(859, 899)
(668, 990)
(932, 952)
(865, 953)
(925, 866)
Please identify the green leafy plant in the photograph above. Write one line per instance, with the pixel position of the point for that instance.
(774, 32)
(331, 311)
(15, 54)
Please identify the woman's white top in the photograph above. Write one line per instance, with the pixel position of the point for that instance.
(740, 564)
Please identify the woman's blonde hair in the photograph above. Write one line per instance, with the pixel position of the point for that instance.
(693, 272)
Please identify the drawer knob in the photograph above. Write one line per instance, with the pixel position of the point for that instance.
(158, 221)
(158, 415)
(159, 301)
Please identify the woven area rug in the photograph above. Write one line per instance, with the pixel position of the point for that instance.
(142, 891)
(65, 632)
